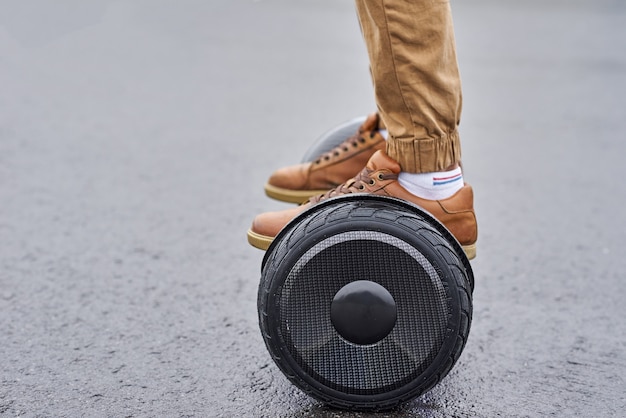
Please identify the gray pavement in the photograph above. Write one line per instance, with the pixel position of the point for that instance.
(135, 138)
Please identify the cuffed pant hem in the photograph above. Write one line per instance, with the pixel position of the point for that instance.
(425, 155)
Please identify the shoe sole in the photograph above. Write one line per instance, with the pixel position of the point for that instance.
(291, 196)
(262, 242)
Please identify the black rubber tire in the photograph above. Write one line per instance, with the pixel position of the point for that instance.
(403, 221)
(332, 138)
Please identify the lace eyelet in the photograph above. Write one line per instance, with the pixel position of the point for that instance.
(372, 182)
(362, 187)
(380, 176)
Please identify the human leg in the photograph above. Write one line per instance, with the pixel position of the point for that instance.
(416, 80)
(418, 93)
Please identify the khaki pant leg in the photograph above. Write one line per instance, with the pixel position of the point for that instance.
(416, 79)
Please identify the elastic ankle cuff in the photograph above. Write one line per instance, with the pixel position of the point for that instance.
(425, 155)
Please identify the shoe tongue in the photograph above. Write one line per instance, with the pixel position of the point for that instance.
(370, 124)
(380, 161)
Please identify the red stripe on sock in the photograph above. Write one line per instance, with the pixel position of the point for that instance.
(446, 178)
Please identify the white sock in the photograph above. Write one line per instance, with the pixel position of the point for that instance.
(432, 186)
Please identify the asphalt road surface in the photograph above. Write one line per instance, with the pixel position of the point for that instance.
(136, 136)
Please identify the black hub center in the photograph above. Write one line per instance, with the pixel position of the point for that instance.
(363, 312)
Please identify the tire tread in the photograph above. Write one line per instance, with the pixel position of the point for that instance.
(386, 215)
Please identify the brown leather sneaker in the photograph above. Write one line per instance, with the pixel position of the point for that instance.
(297, 183)
(380, 177)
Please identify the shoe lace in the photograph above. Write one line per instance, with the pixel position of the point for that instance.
(353, 141)
(358, 184)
